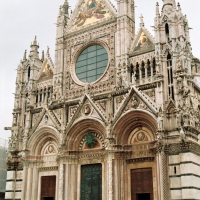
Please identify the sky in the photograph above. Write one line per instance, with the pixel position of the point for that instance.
(22, 20)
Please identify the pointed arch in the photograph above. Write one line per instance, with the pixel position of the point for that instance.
(132, 120)
(40, 137)
(80, 129)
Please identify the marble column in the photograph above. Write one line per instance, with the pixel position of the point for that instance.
(61, 182)
(110, 176)
(35, 184)
(163, 178)
(24, 183)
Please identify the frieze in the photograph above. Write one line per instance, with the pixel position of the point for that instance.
(55, 168)
(139, 160)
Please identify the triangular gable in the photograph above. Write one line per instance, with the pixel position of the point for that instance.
(88, 12)
(135, 99)
(45, 118)
(143, 42)
(46, 72)
(86, 108)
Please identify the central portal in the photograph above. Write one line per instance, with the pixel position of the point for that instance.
(141, 184)
(91, 182)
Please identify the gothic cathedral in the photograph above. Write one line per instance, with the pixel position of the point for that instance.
(116, 116)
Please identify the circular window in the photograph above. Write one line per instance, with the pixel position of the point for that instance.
(91, 63)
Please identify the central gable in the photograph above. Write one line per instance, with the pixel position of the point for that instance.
(89, 12)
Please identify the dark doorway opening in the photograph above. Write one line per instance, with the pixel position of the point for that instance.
(143, 196)
(48, 198)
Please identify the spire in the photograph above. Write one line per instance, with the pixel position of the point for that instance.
(141, 21)
(66, 7)
(167, 4)
(179, 7)
(157, 9)
(24, 58)
(174, 4)
(34, 49)
(48, 54)
(42, 58)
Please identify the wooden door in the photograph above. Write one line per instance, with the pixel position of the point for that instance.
(141, 184)
(48, 187)
(91, 182)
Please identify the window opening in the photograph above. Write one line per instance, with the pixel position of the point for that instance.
(36, 98)
(40, 95)
(143, 70)
(174, 170)
(137, 72)
(170, 76)
(167, 31)
(148, 68)
(29, 72)
(154, 66)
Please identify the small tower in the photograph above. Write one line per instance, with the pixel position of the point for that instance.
(62, 19)
(34, 49)
(125, 36)
(172, 44)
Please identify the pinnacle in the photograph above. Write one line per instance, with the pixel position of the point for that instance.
(141, 21)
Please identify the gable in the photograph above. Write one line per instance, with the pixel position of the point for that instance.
(46, 72)
(143, 44)
(134, 100)
(90, 11)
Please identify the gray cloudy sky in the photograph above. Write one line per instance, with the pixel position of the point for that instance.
(21, 20)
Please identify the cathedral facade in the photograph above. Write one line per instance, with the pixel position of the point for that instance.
(115, 117)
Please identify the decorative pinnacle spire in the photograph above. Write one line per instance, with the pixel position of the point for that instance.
(24, 58)
(35, 41)
(179, 6)
(157, 9)
(47, 51)
(42, 58)
(174, 4)
(34, 49)
(141, 21)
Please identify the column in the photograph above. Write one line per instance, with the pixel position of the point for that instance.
(24, 183)
(163, 182)
(110, 177)
(29, 183)
(35, 184)
(151, 65)
(61, 182)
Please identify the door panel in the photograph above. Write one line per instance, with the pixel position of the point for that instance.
(48, 187)
(141, 184)
(91, 182)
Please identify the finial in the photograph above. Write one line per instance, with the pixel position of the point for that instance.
(42, 59)
(35, 41)
(24, 58)
(141, 21)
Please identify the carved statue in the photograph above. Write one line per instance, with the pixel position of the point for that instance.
(182, 134)
(87, 110)
(179, 63)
